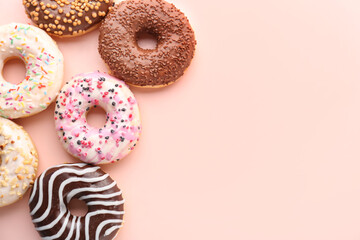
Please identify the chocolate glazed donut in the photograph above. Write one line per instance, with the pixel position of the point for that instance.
(67, 18)
(146, 67)
(55, 188)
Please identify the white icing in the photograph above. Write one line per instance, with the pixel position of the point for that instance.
(61, 231)
(63, 209)
(110, 230)
(40, 199)
(101, 226)
(76, 191)
(88, 216)
(71, 232)
(44, 70)
(62, 186)
(101, 195)
(18, 162)
(78, 225)
(117, 138)
(104, 203)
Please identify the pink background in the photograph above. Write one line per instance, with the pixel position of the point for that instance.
(258, 141)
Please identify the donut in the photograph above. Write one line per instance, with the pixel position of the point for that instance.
(58, 185)
(18, 162)
(122, 128)
(67, 18)
(157, 67)
(44, 70)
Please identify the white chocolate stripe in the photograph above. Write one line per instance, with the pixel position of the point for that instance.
(88, 216)
(52, 224)
(38, 205)
(78, 229)
(52, 185)
(63, 184)
(76, 191)
(71, 232)
(42, 177)
(33, 191)
(61, 231)
(62, 205)
(110, 230)
(103, 224)
(104, 203)
(101, 195)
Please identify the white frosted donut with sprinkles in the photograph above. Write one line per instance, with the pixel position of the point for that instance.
(18, 162)
(44, 70)
(110, 143)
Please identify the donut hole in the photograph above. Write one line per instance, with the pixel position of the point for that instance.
(96, 117)
(146, 40)
(77, 207)
(14, 70)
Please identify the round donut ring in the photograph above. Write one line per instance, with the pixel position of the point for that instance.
(158, 67)
(67, 18)
(58, 185)
(122, 128)
(18, 162)
(44, 70)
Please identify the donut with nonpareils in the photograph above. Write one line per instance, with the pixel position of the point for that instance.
(67, 18)
(18, 162)
(122, 128)
(157, 67)
(44, 70)
(57, 186)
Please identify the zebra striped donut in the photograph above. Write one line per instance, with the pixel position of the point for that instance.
(58, 185)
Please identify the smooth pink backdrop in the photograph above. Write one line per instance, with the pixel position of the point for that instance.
(260, 140)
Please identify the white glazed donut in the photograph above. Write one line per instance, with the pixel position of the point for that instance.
(18, 162)
(121, 130)
(44, 70)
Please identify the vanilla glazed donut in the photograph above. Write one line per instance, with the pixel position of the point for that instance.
(18, 162)
(67, 18)
(122, 128)
(58, 185)
(151, 68)
(44, 70)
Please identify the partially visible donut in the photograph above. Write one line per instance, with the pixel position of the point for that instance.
(44, 70)
(58, 185)
(145, 67)
(67, 18)
(117, 138)
(18, 162)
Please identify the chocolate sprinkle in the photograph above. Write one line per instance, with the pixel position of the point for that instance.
(147, 67)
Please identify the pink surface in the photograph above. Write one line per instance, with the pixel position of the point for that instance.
(258, 141)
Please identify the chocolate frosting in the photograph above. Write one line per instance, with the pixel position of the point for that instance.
(55, 188)
(143, 67)
(67, 17)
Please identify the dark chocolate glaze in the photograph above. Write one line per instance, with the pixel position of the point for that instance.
(97, 190)
(143, 67)
(67, 17)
